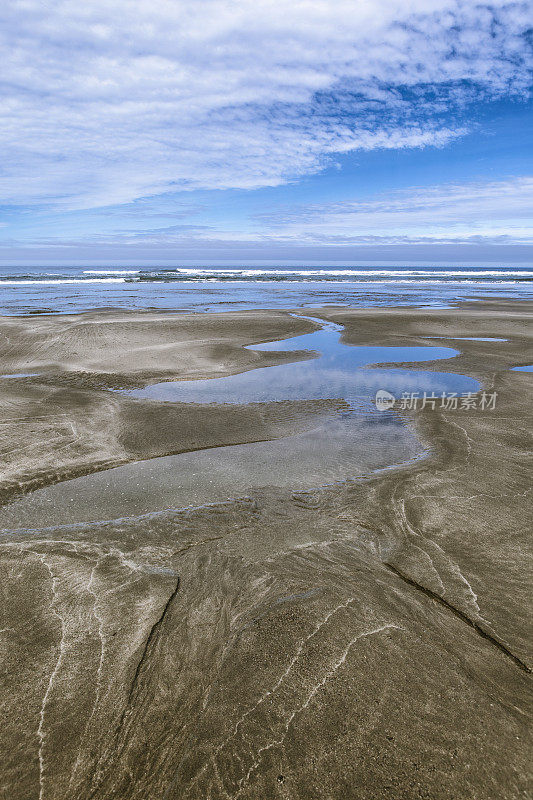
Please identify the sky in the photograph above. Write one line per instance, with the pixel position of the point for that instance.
(249, 131)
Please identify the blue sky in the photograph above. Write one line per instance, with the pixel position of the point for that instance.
(169, 132)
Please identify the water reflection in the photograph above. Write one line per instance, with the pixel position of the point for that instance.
(336, 450)
(337, 371)
(348, 446)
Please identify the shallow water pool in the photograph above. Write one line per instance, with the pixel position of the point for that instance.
(337, 371)
(347, 446)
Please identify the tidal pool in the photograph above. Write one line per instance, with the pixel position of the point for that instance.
(20, 375)
(337, 371)
(351, 444)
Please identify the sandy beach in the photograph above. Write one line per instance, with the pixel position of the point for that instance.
(366, 639)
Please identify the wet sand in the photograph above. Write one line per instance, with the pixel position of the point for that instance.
(364, 640)
(63, 422)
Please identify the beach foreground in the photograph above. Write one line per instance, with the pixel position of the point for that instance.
(362, 640)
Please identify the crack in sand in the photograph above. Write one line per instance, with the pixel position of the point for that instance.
(135, 680)
(463, 617)
(452, 565)
(144, 655)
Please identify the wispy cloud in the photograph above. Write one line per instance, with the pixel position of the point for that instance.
(103, 103)
(486, 211)
(470, 222)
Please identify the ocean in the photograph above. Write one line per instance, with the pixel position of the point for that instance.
(37, 290)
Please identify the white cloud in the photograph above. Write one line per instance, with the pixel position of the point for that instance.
(481, 214)
(487, 211)
(104, 102)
